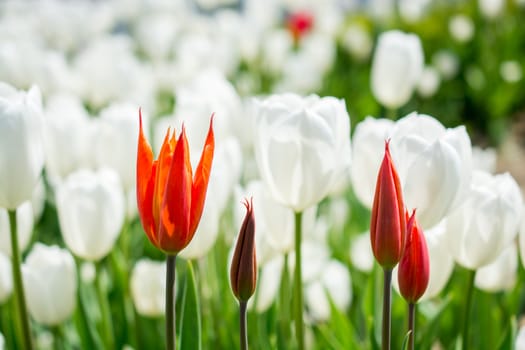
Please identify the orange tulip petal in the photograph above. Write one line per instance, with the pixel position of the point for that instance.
(163, 168)
(146, 170)
(202, 176)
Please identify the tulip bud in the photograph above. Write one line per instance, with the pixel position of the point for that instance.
(51, 280)
(414, 268)
(299, 24)
(387, 227)
(243, 271)
(148, 287)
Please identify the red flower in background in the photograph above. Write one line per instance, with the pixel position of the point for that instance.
(299, 24)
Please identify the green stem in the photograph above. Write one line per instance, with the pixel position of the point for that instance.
(391, 114)
(468, 306)
(242, 325)
(171, 335)
(298, 284)
(284, 306)
(107, 325)
(411, 324)
(58, 338)
(18, 284)
(387, 293)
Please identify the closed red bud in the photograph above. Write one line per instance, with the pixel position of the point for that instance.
(414, 268)
(387, 227)
(243, 271)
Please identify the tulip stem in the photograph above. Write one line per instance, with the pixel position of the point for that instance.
(107, 325)
(58, 337)
(391, 113)
(171, 335)
(18, 283)
(468, 306)
(298, 284)
(387, 293)
(411, 324)
(242, 325)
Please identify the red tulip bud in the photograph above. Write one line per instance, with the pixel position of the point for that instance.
(243, 272)
(299, 24)
(414, 268)
(387, 227)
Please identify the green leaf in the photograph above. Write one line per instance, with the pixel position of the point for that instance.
(405, 341)
(190, 335)
(510, 335)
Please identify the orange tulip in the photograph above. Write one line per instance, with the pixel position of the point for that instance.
(170, 198)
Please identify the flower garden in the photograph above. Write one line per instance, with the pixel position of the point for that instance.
(282, 174)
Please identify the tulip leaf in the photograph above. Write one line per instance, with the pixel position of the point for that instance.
(405, 341)
(190, 335)
(510, 335)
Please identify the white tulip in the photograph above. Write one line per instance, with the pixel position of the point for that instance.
(91, 212)
(302, 145)
(484, 159)
(396, 68)
(148, 287)
(521, 238)
(461, 28)
(487, 222)
(520, 339)
(268, 283)
(24, 227)
(206, 233)
(434, 165)
(2, 342)
(368, 144)
(501, 274)
(357, 41)
(116, 141)
(447, 63)
(6, 278)
(491, 8)
(51, 284)
(22, 156)
(429, 82)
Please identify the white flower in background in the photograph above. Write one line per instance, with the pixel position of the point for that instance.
(491, 8)
(484, 159)
(501, 274)
(487, 222)
(109, 70)
(302, 145)
(368, 144)
(511, 71)
(148, 287)
(461, 28)
(396, 67)
(413, 10)
(2, 342)
(91, 212)
(208, 92)
(357, 41)
(334, 282)
(268, 283)
(88, 272)
(429, 82)
(22, 156)
(67, 136)
(156, 33)
(6, 278)
(116, 141)
(51, 284)
(447, 63)
(206, 233)
(18, 65)
(381, 10)
(299, 75)
(361, 253)
(24, 227)
(521, 238)
(275, 48)
(434, 165)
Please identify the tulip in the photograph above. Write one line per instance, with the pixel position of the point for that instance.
(396, 68)
(243, 272)
(520, 339)
(24, 228)
(50, 276)
(387, 231)
(413, 272)
(170, 201)
(387, 226)
(434, 165)
(91, 210)
(148, 287)
(301, 146)
(22, 156)
(487, 222)
(299, 24)
(361, 254)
